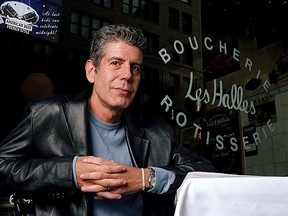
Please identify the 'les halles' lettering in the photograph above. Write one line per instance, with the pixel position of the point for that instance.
(234, 100)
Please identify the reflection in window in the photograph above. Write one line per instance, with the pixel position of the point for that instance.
(173, 18)
(148, 10)
(271, 22)
(217, 64)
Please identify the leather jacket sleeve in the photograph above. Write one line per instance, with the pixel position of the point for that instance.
(32, 151)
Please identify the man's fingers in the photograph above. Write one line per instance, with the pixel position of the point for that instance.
(94, 188)
(109, 169)
(100, 164)
(103, 185)
(100, 174)
(107, 195)
(97, 160)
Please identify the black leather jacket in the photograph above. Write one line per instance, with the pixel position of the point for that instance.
(36, 157)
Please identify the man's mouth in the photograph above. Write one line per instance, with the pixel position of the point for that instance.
(124, 90)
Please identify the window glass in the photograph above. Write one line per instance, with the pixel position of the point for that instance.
(187, 23)
(174, 18)
(74, 23)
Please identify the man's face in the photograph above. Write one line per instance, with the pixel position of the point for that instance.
(117, 78)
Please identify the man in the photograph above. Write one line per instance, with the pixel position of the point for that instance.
(84, 155)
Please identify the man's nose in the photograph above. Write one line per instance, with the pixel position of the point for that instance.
(126, 72)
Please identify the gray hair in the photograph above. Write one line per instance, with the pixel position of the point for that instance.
(112, 33)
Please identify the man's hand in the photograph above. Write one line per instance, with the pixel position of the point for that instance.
(98, 175)
(109, 179)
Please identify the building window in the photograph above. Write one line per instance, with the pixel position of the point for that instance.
(150, 81)
(174, 79)
(185, 58)
(50, 50)
(152, 43)
(105, 3)
(74, 23)
(131, 7)
(146, 9)
(174, 55)
(173, 18)
(187, 23)
(77, 56)
(188, 55)
(97, 24)
(186, 1)
(85, 26)
(150, 11)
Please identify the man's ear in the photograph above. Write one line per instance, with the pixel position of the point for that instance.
(90, 70)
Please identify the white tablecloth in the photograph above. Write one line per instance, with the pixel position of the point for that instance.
(214, 194)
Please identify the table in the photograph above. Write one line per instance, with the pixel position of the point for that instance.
(216, 194)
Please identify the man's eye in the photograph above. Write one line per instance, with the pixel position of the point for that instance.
(136, 68)
(115, 63)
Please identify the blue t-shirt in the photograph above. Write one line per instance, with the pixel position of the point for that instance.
(109, 142)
